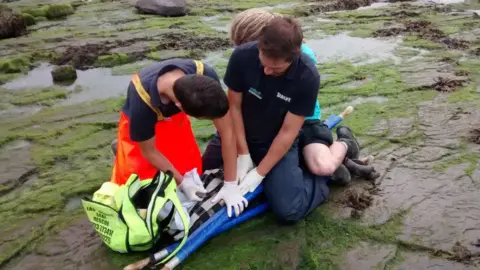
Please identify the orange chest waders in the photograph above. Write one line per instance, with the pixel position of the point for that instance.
(174, 138)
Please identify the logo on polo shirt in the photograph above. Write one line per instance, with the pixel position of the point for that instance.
(255, 92)
(280, 96)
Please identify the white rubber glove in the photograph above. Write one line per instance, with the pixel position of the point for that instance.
(230, 194)
(190, 189)
(244, 164)
(251, 181)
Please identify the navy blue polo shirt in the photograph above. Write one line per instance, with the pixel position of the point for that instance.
(142, 117)
(267, 99)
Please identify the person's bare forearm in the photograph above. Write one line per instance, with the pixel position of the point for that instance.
(225, 127)
(159, 161)
(282, 142)
(239, 128)
(229, 154)
(235, 101)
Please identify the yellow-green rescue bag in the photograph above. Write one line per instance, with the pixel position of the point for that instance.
(134, 226)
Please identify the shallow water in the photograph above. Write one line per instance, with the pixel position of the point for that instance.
(477, 11)
(446, 2)
(210, 18)
(374, 5)
(280, 6)
(343, 47)
(326, 20)
(17, 145)
(225, 28)
(98, 83)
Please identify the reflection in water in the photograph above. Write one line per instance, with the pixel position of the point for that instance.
(98, 83)
(343, 47)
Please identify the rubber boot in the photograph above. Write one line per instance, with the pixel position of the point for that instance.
(345, 135)
(341, 176)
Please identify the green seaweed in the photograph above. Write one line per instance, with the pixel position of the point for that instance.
(16, 64)
(166, 54)
(4, 78)
(131, 68)
(468, 93)
(59, 11)
(398, 105)
(29, 19)
(115, 59)
(318, 242)
(416, 42)
(36, 12)
(46, 96)
(471, 159)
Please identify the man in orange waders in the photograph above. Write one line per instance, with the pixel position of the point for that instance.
(155, 133)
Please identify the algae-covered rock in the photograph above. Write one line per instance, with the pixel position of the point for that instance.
(64, 73)
(12, 23)
(14, 65)
(4, 78)
(29, 19)
(36, 12)
(57, 11)
(41, 19)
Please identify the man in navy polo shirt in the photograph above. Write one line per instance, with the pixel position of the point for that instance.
(272, 88)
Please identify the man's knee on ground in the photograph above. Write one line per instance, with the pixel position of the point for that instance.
(288, 214)
(321, 166)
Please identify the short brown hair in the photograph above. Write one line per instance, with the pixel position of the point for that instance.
(201, 96)
(281, 38)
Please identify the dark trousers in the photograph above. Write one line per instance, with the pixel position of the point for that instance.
(291, 190)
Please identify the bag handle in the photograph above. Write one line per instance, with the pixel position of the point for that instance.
(171, 194)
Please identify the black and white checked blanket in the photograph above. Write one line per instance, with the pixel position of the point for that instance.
(212, 181)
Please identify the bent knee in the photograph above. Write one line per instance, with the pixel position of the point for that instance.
(288, 217)
(288, 213)
(322, 167)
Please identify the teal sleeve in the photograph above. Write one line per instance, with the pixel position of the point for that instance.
(318, 112)
(306, 50)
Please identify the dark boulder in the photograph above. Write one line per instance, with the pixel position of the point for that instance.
(167, 8)
(12, 24)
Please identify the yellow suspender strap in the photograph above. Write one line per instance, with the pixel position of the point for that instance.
(144, 95)
(199, 67)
